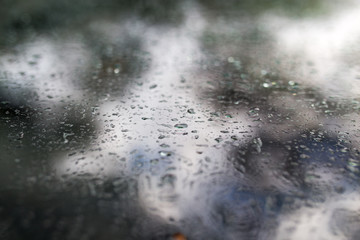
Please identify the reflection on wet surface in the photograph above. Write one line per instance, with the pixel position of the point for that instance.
(194, 120)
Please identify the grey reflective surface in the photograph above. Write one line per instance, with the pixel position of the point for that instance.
(179, 120)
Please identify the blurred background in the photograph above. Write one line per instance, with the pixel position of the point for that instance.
(160, 119)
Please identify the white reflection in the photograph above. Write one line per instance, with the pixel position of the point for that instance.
(320, 52)
(45, 67)
(317, 222)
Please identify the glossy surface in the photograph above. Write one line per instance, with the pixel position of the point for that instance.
(179, 120)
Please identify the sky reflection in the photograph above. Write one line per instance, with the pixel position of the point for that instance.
(215, 125)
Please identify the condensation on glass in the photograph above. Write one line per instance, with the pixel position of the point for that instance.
(179, 120)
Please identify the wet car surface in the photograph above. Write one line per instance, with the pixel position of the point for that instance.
(179, 120)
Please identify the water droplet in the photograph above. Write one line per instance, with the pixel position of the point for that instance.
(116, 70)
(165, 153)
(182, 79)
(154, 161)
(191, 111)
(266, 85)
(181, 125)
(254, 112)
(258, 144)
(216, 114)
(293, 84)
(353, 165)
(65, 135)
(153, 86)
(304, 156)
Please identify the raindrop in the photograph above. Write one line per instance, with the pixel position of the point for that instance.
(181, 125)
(117, 69)
(266, 85)
(258, 144)
(191, 111)
(65, 135)
(182, 79)
(154, 161)
(353, 165)
(165, 153)
(254, 112)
